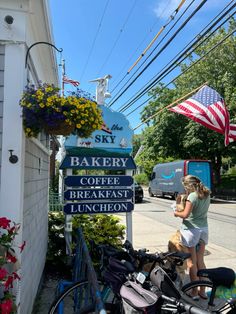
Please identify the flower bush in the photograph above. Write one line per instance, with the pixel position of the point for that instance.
(8, 265)
(44, 109)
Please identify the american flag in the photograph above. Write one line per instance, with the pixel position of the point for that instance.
(208, 108)
(66, 80)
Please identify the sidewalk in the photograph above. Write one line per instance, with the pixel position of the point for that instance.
(151, 234)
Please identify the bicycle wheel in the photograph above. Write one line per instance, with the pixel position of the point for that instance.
(218, 304)
(78, 299)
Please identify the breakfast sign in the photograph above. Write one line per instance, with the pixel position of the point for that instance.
(107, 149)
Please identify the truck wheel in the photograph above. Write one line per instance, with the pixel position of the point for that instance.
(150, 192)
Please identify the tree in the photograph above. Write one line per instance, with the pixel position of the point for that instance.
(175, 136)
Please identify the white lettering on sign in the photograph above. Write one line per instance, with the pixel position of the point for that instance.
(179, 170)
(98, 194)
(98, 161)
(74, 161)
(90, 181)
(97, 208)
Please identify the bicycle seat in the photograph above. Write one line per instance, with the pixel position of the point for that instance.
(181, 255)
(220, 276)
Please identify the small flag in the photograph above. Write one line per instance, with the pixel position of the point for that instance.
(208, 108)
(66, 80)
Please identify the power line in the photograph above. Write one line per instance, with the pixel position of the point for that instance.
(182, 54)
(150, 53)
(159, 52)
(172, 16)
(118, 37)
(193, 64)
(94, 40)
(139, 45)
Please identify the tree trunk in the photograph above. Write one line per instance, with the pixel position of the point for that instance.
(216, 168)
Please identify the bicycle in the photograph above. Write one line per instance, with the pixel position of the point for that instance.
(216, 277)
(78, 296)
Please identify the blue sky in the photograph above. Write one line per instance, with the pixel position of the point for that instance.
(102, 37)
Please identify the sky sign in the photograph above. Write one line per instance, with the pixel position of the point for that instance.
(114, 136)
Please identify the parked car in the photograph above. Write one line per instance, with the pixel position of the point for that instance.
(138, 192)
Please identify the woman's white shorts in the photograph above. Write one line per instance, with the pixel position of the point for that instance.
(191, 237)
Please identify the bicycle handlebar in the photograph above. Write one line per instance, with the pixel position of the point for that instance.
(154, 257)
(184, 306)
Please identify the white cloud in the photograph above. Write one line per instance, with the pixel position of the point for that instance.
(164, 8)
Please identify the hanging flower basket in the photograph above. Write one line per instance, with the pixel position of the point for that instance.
(45, 110)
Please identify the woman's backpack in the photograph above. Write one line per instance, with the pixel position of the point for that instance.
(136, 299)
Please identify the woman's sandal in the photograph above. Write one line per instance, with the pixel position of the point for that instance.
(203, 296)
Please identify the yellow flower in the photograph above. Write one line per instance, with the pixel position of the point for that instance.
(78, 126)
(41, 105)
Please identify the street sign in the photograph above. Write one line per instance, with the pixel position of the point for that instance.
(98, 194)
(87, 181)
(99, 162)
(98, 208)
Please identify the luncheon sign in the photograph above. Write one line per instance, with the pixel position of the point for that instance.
(107, 149)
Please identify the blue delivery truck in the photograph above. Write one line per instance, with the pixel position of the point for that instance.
(166, 177)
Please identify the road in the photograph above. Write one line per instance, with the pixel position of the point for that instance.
(221, 219)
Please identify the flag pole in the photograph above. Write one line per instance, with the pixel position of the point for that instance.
(173, 103)
(62, 76)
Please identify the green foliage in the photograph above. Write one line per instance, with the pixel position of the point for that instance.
(56, 253)
(100, 228)
(232, 171)
(228, 181)
(137, 142)
(141, 178)
(170, 135)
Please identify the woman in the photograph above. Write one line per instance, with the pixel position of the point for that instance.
(194, 228)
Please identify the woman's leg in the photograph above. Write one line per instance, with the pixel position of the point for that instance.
(200, 261)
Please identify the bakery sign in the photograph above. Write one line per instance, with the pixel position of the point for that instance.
(115, 134)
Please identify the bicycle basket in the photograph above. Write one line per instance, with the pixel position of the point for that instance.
(136, 299)
(162, 281)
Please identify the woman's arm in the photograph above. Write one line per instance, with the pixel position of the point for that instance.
(186, 212)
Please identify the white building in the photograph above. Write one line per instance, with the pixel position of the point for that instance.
(24, 184)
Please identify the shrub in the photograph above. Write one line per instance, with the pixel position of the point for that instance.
(100, 228)
(141, 178)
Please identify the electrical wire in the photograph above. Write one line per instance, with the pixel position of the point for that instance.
(182, 54)
(193, 64)
(172, 16)
(137, 48)
(165, 45)
(150, 53)
(94, 40)
(118, 37)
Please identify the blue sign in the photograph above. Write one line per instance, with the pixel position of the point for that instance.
(87, 181)
(98, 194)
(115, 134)
(98, 208)
(90, 162)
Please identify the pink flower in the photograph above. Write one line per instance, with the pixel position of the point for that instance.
(6, 306)
(11, 258)
(22, 246)
(3, 273)
(16, 276)
(4, 222)
(9, 282)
